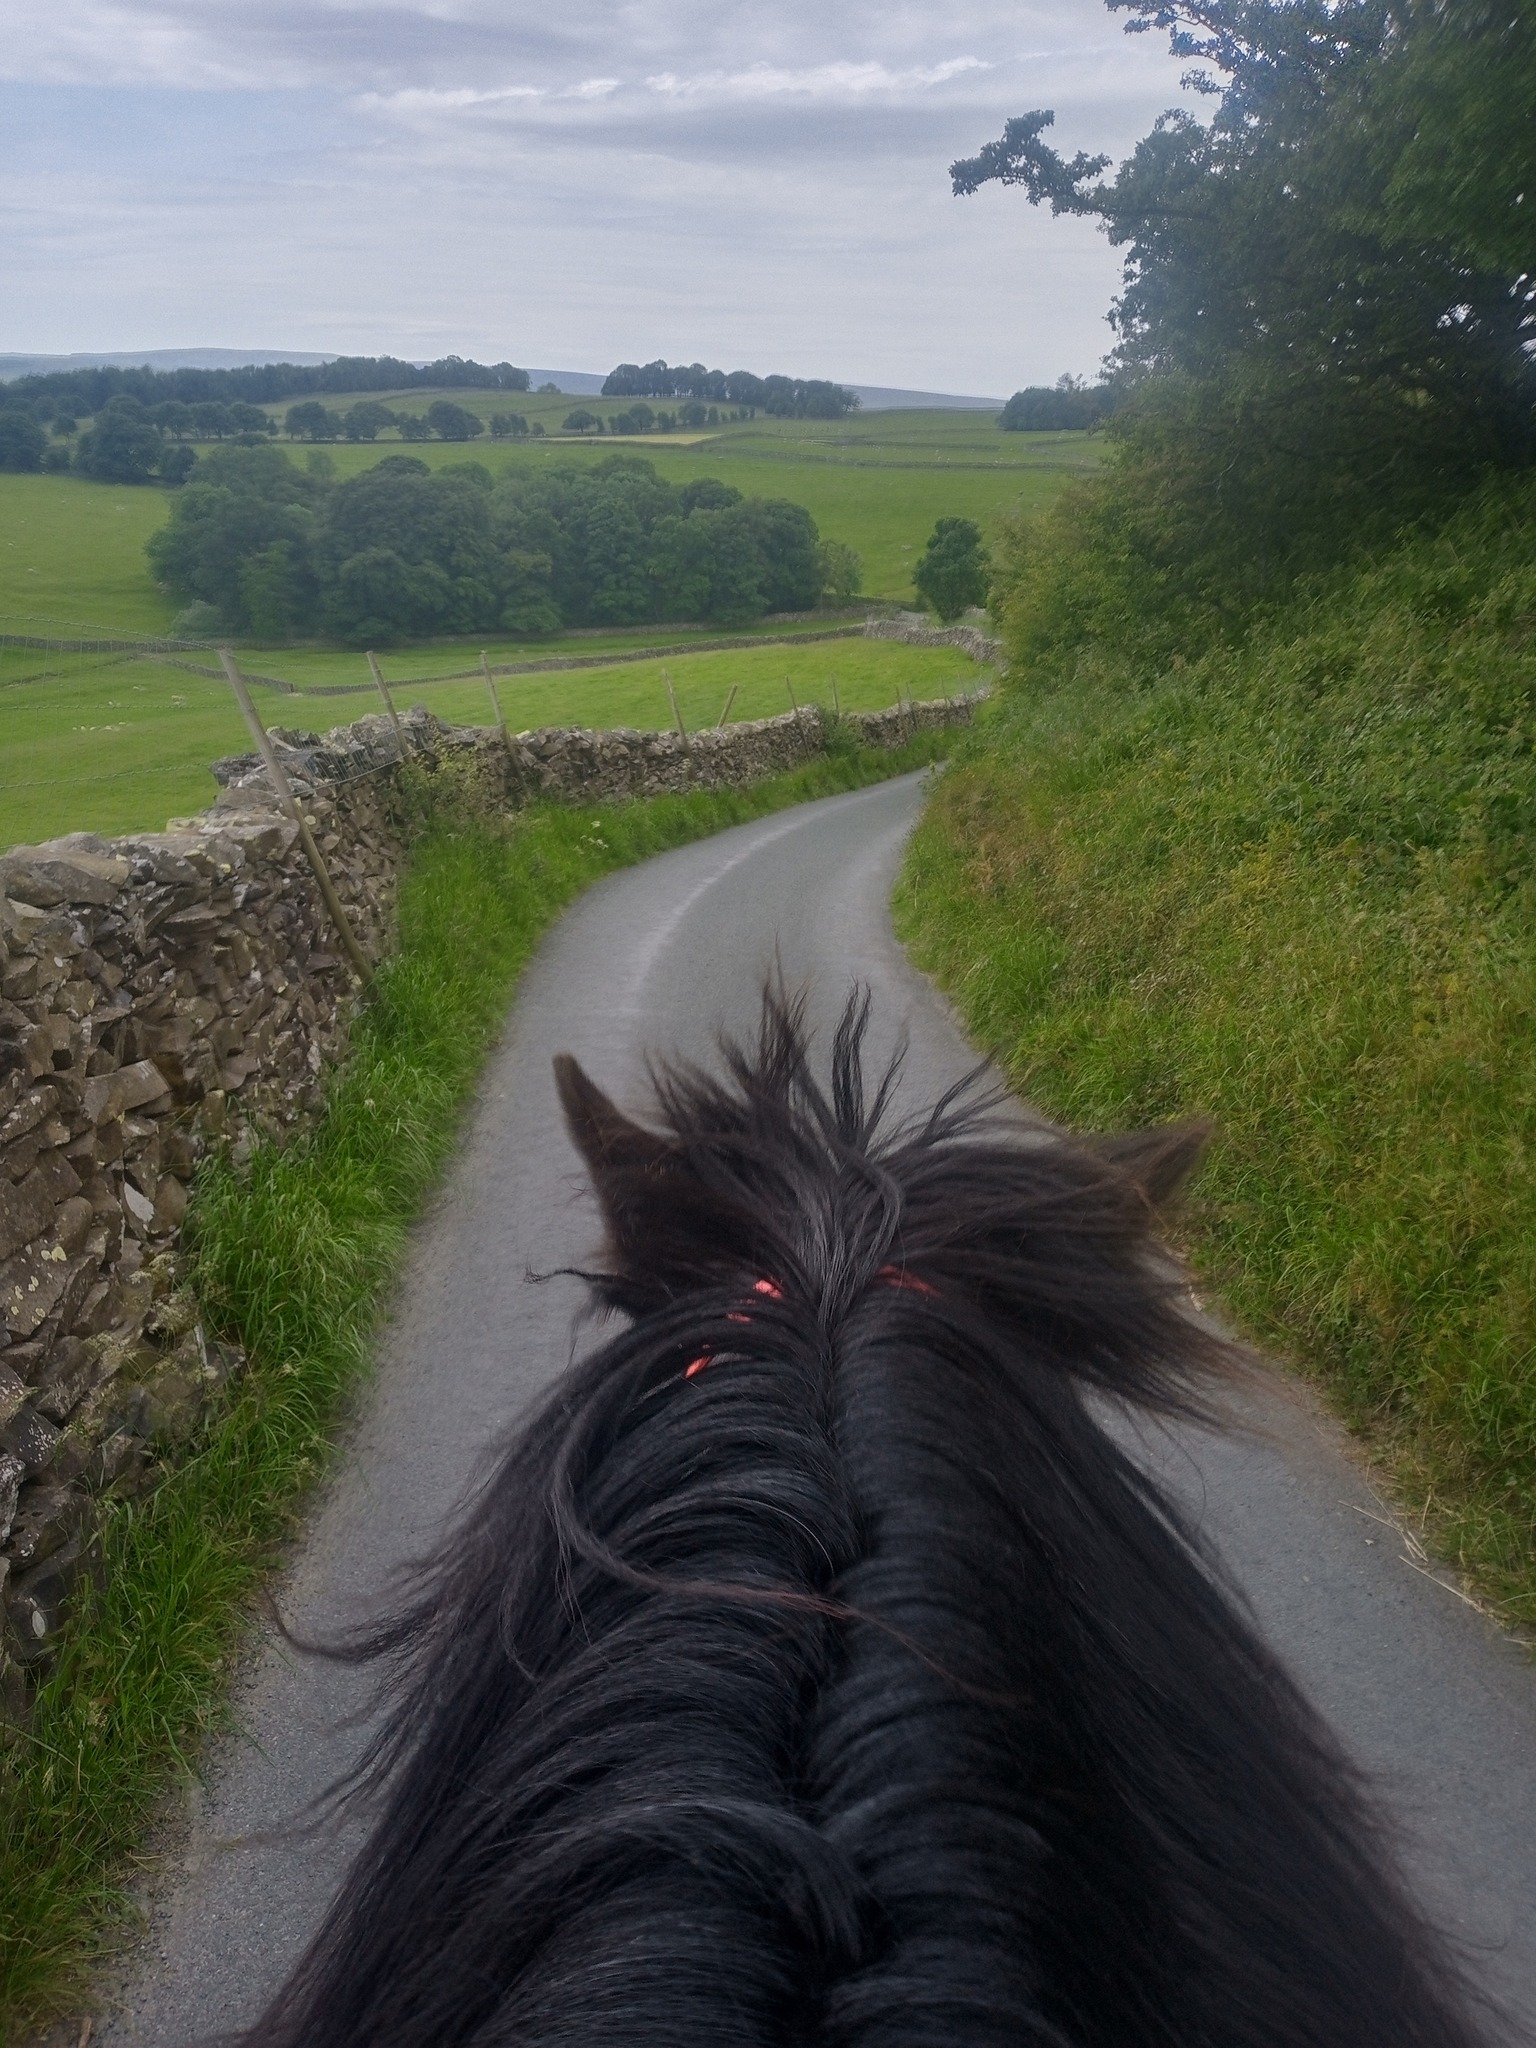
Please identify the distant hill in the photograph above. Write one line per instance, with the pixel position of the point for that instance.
(882, 398)
(573, 383)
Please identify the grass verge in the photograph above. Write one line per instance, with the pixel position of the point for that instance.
(1292, 885)
(294, 1256)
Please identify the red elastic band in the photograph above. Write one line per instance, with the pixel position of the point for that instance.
(893, 1276)
(897, 1276)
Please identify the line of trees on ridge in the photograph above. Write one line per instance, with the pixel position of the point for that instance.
(1070, 404)
(133, 443)
(86, 391)
(780, 397)
(255, 545)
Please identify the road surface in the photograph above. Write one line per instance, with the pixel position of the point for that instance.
(1438, 1706)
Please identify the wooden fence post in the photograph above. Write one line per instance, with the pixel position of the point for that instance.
(682, 730)
(490, 684)
(791, 689)
(836, 700)
(360, 962)
(730, 700)
(389, 702)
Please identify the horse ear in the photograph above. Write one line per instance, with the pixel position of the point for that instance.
(612, 1144)
(630, 1167)
(1159, 1161)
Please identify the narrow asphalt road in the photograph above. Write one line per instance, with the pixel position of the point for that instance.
(1439, 1707)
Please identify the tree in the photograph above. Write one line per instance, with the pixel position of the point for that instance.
(581, 422)
(251, 419)
(1050, 409)
(1344, 255)
(412, 427)
(22, 440)
(214, 422)
(310, 421)
(841, 570)
(451, 422)
(237, 504)
(509, 426)
(172, 417)
(272, 590)
(951, 573)
(528, 604)
(366, 420)
(122, 447)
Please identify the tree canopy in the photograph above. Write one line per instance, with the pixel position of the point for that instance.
(1329, 294)
(951, 572)
(1068, 404)
(88, 390)
(781, 397)
(402, 551)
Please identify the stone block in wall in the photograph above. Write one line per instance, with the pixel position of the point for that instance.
(79, 869)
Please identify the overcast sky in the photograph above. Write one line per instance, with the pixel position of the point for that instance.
(565, 184)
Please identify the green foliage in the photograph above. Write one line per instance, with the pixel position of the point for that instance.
(122, 447)
(1070, 404)
(366, 420)
(22, 440)
(404, 551)
(311, 421)
(294, 1257)
(1329, 298)
(1291, 884)
(780, 397)
(951, 574)
(256, 384)
(840, 569)
(581, 421)
(452, 422)
(876, 480)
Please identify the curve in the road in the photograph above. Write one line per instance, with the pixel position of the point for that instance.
(1438, 1706)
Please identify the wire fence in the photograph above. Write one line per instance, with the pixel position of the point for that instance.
(75, 650)
(112, 731)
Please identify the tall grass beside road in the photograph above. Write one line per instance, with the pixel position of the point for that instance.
(1291, 883)
(294, 1254)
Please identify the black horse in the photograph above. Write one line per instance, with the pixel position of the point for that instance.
(816, 1669)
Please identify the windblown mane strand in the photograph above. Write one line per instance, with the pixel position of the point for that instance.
(815, 1669)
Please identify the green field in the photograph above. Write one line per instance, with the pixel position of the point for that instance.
(123, 745)
(75, 551)
(119, 746)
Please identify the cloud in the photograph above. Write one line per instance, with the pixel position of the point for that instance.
(841, 80)
(428, 100)
(615, 178)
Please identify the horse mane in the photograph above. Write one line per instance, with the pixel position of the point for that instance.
(814, 1668)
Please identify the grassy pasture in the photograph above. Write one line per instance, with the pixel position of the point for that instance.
(877, 481)
(74, 550)
(119, 746)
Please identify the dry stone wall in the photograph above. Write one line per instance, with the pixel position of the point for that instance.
(913, 630)
(169, 991)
